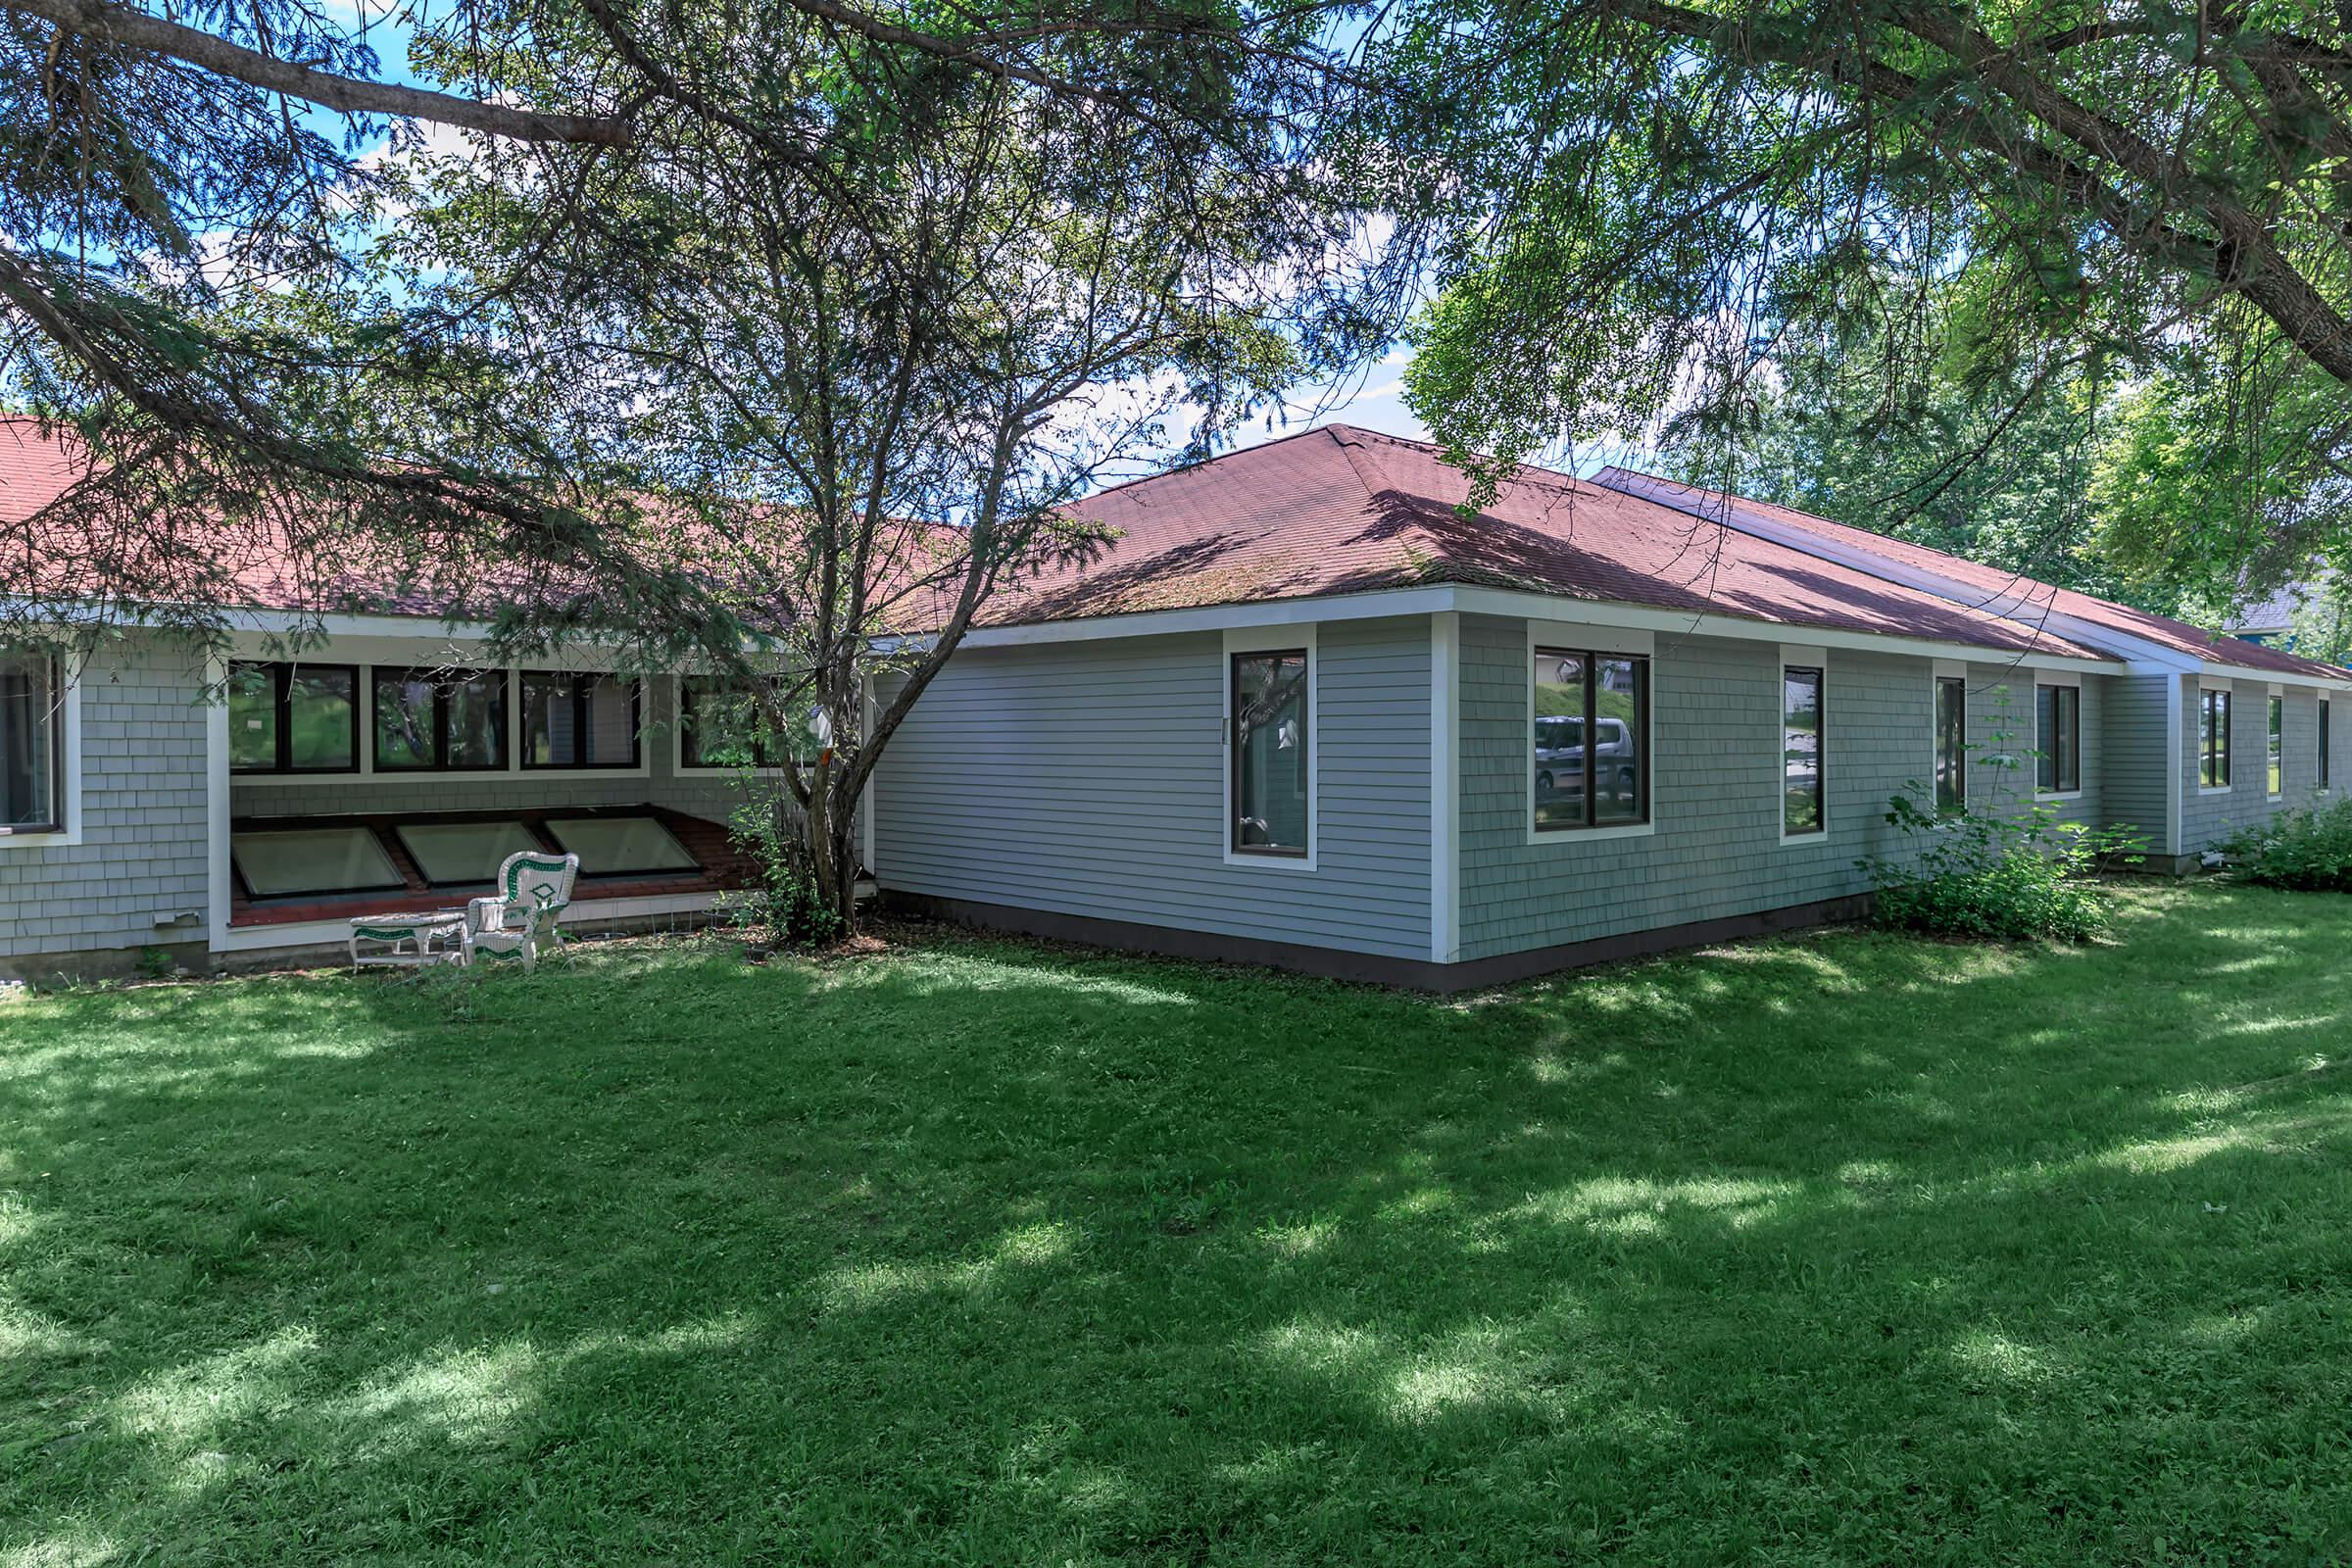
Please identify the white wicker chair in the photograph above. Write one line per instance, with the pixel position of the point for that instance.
(534, 888)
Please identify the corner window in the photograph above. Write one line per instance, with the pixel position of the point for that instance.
(1951, 746)
(293, 719)
(2058, 739)
(445, 722)
(2324, 741)
(1592, 764)
(578, 720)
(1802, 743)
(2213, 740)
(2274, 753)
(31, 746)
(720, 727)
(1270, 804)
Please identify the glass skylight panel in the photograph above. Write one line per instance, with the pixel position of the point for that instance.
(610, 846)
(277, 861)
(457, 852)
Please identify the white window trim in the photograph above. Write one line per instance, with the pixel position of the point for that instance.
(367, 771)
(2196, 754)
(1267, 640)
(2056, 678)
(68, 773)
(2273, 692)
(1802, 656)
(1634, 642)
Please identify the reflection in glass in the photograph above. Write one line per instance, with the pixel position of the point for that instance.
(252, 718)
(1592, 723)
(27, 743)
(1800, 751)
(1951, 746)
(321, 706)
(1269, 752)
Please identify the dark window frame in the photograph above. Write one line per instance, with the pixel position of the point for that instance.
(2325, 779)
(306, 895)
(689, 743)
(1956, 733)
(581, 680)
(2274, 746)
(1233, 746)
(1821, 750)
(2213, 718)
(440, 682)
(281, 704)
(2058, 759)
(55, 724)
(1590, 658)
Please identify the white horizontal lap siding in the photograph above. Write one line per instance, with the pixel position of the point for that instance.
(1088, 779)
(142, 854)
(1716, 848)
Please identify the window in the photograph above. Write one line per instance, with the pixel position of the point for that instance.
(612, 846)
(2274, 753)
(2213, 740)
(578, 720)
(464, 854)
(721, 728)
(447, 720)
(279, 862)
(2323, 774)
(1591, 767)
(31, 747)
(2058, 739)
(1951, 746)
(293, 719)
(1270, 806)
(1801, 746)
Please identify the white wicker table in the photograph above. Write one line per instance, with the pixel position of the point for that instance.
(434, 936)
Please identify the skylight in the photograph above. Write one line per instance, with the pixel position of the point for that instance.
(455, 854)
(614, 846)
(275, 862)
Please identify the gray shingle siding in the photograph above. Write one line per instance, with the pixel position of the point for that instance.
(142, 855)
(2206, 819)
(1715, 792)
(1088, 779)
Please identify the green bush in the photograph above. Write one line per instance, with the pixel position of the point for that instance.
(1991, 874)
(786, 904)
(2308, 851)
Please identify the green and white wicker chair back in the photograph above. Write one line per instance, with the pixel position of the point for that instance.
(532, 880)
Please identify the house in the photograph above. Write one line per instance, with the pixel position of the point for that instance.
(1300, 711)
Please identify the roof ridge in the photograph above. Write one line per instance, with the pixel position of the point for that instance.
(1212, 459)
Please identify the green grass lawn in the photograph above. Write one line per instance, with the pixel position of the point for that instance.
(1842, 1250)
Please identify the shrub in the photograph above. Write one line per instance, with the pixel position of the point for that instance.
(786, 902)
(1991, 874)
(2309, 851)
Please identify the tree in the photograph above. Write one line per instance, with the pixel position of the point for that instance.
(1667, 193)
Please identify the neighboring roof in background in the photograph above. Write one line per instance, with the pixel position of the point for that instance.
(2274, 617)
(2006, 593)
(1338, 510)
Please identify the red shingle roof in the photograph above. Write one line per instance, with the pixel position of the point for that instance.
(2010, 593)
(1338, 510)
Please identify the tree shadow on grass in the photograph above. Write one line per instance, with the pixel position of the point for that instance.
(1004, 1254)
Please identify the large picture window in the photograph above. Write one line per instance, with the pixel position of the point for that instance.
(293, 719)
(2275, 752)
(2058, 739)
(578, 720)
(1270, 786)
(721, 727)
(444, 721)
(1951, 745)
(1591, 764)
(31, 747)
(2213, 740)
(1803, 742)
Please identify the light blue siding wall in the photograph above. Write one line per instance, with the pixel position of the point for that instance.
(1716, 791)
(1088, 779)
(142, 856)
(2208, 819)
(2003, 708)
(697, 793)
(2136, 733)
